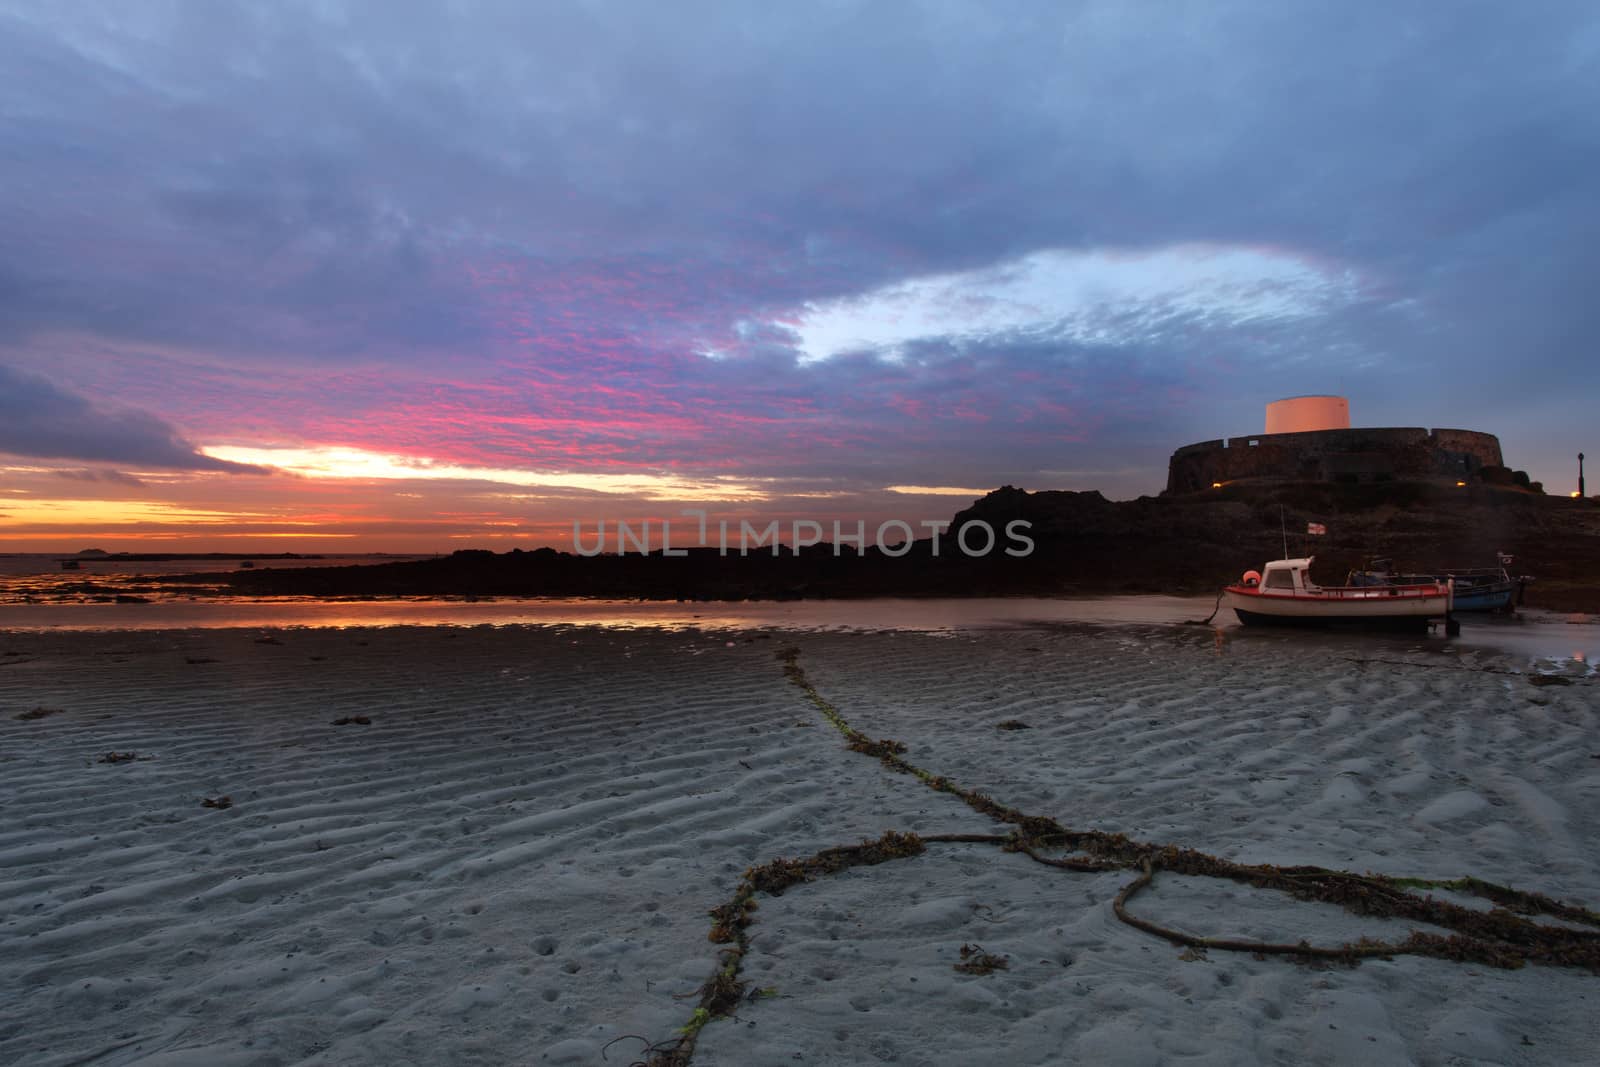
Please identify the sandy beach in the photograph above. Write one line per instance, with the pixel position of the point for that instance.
(496, 845)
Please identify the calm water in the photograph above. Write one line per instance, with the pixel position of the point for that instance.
(1533, 635)
(38, 578)
(36, 594)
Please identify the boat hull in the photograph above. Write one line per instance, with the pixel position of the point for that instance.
(1384, 609)
(1494, 596)
(1393, 623)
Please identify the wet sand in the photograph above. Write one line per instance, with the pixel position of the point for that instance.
(512, 858)
(1530, 633)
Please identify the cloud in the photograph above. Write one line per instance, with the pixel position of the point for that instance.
(99, 474)
(501, 241)
(40, 420)
(1106, 296)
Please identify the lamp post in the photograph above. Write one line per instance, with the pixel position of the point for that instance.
(1580, 475)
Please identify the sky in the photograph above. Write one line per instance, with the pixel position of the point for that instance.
(412, 277)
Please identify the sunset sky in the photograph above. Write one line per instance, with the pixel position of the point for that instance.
(416, 277)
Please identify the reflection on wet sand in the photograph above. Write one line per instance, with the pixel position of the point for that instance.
(1532, 633)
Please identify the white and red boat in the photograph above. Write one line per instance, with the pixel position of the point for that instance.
(1286, 596)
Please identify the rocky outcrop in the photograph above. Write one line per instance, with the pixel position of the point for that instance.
(1082, 543)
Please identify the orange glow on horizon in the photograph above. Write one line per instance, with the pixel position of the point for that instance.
(364, 465)
(932, 490)
(60, 511)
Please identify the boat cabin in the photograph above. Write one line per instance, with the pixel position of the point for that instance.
(1288, 577)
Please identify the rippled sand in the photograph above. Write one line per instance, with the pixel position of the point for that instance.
(511, 861)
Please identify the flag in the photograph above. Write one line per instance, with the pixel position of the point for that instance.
(1316, 528)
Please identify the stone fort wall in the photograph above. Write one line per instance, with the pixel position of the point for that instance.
(1354, 455)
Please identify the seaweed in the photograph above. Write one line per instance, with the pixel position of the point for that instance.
(1500, 937)
(39, 713)
(974, 960)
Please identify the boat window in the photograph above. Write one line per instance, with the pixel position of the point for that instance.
(1280, 580)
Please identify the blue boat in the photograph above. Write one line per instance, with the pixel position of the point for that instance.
(1475, 588)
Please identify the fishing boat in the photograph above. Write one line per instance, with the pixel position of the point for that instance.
(1286, 596)
(1476, 588)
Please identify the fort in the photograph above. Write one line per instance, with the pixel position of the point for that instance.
(1313, 442)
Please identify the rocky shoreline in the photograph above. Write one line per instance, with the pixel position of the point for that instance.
(1082, 544)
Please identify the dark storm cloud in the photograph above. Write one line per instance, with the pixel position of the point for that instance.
(598, 191)
(362, 140)
(41, 420)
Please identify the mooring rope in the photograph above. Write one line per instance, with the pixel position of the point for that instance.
(1214, 609)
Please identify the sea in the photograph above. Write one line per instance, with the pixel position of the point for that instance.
(40, 578)
(113, 594)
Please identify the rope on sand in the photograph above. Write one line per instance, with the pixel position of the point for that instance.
(1214, 609)
(1499, 937)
